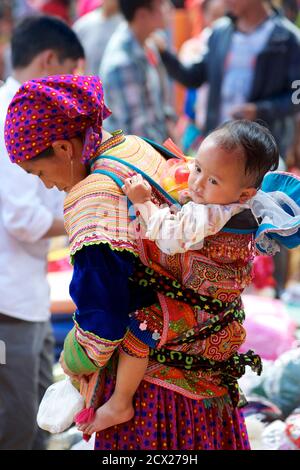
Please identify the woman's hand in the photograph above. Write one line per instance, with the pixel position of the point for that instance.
(137, 189)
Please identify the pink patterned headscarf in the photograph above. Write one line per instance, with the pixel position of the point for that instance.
(52, 108)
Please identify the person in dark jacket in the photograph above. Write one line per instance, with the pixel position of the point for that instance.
(251, 62)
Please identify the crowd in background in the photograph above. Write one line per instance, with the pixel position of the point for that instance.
(94, 21)
(136, 78)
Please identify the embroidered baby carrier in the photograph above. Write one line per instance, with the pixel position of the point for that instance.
(195, 333)
(223, 319)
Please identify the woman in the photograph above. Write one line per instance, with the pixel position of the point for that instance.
(54, 130)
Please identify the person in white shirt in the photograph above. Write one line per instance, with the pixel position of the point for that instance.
(94, 30)
(134, 80)
(29, 215)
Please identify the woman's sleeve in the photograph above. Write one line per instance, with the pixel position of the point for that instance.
(99, 289)
(104, 297)
(187, 229)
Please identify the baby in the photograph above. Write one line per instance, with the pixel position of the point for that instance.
(225, 175)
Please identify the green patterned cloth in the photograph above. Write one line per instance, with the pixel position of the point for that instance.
(75, 357)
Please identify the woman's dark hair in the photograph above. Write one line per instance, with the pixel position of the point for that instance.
(256, 142)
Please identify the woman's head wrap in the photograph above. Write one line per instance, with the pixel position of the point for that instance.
(59, 107)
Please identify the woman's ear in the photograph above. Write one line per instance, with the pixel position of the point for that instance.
(63, 149)
(247, 194)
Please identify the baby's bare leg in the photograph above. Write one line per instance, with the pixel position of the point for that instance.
(119, 409)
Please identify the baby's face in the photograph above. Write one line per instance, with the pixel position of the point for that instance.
(217, 175)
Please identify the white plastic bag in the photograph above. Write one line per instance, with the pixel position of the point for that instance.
(58, 406)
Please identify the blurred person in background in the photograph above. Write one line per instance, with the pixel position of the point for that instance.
(85, 6)
(134, 79)
(6, 22)
(191, 49)
(94, 31)
(22, 8)
(250, 64)
(290, 9)
(59, 8)
(196, 99)
(29, 216)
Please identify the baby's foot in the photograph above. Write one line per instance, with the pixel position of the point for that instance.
(106, 416)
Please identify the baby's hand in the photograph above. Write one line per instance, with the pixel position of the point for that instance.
(137, 189)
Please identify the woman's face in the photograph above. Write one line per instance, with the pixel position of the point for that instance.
(63, 169)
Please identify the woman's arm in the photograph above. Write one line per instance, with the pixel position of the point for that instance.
(192, 76)
(104, 297)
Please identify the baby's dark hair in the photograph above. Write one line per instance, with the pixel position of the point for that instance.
(258, 145)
